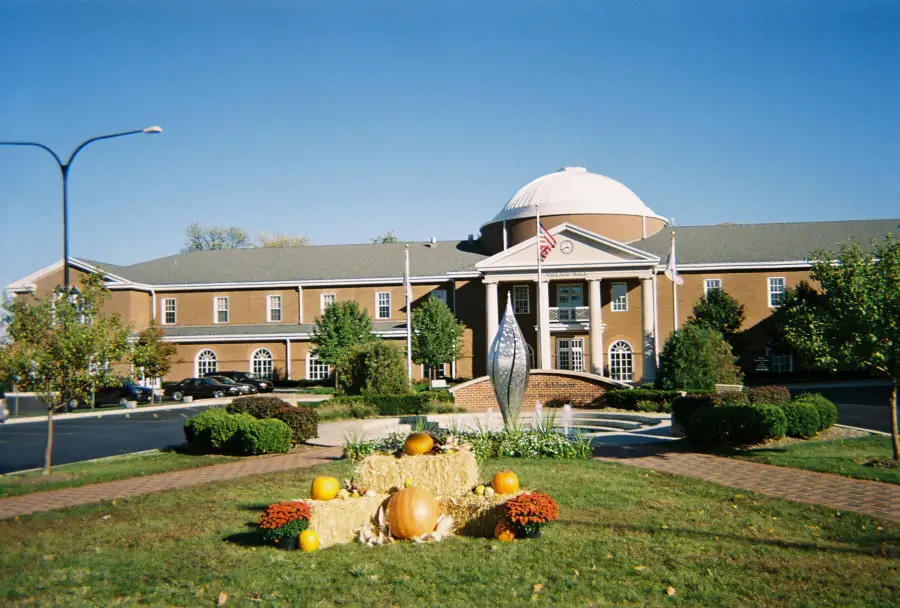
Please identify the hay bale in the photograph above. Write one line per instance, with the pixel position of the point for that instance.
(476, 515)
(337, 521)
(442, 474)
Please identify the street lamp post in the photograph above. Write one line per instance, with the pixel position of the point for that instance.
(64, 169)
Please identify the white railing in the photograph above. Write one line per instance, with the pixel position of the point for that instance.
(573, 314)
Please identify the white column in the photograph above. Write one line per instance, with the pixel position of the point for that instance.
(299, 303)
(596, 304)
(491, 309)
(287, 366)
(648, 328)
(544, 359)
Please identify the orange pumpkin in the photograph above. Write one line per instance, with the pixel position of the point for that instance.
(505, 482)
(324, 488)
(418, 443)
(503, 531)
(309, 540)
(412, 512)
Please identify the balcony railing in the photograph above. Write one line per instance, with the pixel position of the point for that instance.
(573, 314)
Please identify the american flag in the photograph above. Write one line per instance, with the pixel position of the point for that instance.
(546, 242)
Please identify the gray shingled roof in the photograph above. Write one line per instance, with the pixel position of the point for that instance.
(302, 263)
(762, 242)
(264, 329)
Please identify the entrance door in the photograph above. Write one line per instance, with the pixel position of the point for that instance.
(570, 354)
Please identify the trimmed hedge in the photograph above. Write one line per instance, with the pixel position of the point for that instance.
(711, 425)
(628, 399)
(828, 412)
(802, 419)
(683, 407)
(412, 404)
(303, 421)
(776, 395)
(259, 406)
(267, 436)
(215, 430)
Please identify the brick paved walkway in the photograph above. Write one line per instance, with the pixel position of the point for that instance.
(70, 497)
(869, 497)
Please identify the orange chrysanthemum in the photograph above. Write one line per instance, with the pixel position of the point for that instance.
(282, 513)
(532, 508)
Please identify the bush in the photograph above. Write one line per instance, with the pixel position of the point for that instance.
(745, 424)
(628, 399)
(263, 437)
(373, 367)
(696, 358)
(214, 430)
(652, 406)
(259, 406)
(802, 419)
(683, 407)
(776, 395)
(303, 422)
(828, 412)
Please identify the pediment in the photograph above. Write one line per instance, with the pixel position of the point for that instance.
(575, 247)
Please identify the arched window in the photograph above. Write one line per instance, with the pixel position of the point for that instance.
(621, 362)
(530, 355)
(207, 363)
(261, 363)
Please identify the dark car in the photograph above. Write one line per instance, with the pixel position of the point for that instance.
(245, 388)
(200, 387)
(118, 395)
(263, 385)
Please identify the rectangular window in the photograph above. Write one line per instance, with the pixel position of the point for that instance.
(521, 300)
(221, 309)
(273, 308)
(570, 354)
(316, 370)
(327, 300)
(776, 291)
(711, 284)
(440, 294)
(383, 305)
(619, 297)
(169, 310)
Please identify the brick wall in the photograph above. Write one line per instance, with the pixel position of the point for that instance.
(548, 387)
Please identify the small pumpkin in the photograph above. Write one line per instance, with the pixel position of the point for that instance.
(412, 512)
(324, 488)
(418, 443)
(309, 540)
(505, 482)
(504, 531)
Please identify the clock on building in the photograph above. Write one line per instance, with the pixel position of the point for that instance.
(566, 247)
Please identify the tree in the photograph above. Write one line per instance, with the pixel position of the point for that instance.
(377, 367)
(387, 237)
(63, 346)
(280, 240)
(718, 311)
(342, 326)
(696, 358)
(437, 335)
(217, 237)
(851, 320)
(150, 355)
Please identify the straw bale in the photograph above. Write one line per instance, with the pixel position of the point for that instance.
(443, 474)
(337, 521)
(476, 515)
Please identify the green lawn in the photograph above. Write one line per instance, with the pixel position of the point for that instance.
(843, 457)
(624, 536)
(107, 469)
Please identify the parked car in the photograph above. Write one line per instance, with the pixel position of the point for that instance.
(245, 388)
(263, 385)
(118, 395)
(201, 387)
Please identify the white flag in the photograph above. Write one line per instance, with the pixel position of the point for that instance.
(670, 266)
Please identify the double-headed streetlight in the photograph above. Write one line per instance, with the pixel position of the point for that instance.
(64, 169)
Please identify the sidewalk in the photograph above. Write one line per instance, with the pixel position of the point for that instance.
(844, 494)
(135, 486)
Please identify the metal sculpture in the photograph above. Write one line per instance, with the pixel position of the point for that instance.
(508, 367)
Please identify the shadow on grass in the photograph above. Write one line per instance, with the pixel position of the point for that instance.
(250, 538)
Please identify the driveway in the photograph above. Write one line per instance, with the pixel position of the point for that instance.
(865, 407)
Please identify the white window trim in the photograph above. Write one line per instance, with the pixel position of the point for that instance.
(322, 300)
(216, 310)
(163, 311)
(612, 296)
(769, 291)
(378, 316)
(527, 299)
(269, 309)
(609, 358)
(707, 288)
(309, 357)
(197, 361)
(271, 358)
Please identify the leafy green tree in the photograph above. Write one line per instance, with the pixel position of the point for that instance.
(63, 346)
(717, 310)
(377, 367)
(216, 237)
(387, 237)
(852, 321)
(437, 335)
(281, 240)
(150, 355)
(342, 326)
(696, 358)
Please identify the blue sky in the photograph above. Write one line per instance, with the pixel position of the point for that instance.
(343, 120)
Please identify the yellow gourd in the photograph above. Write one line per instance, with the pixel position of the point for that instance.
(503, 531)
(309, 540)
(418, 443)
(324, 488)
(505, 482)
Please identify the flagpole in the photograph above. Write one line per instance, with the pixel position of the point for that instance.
(674, 286)
(406, 290)
(537, 295)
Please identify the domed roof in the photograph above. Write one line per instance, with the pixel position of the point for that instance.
(574, 191)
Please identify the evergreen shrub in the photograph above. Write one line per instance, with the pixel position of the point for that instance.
(627, 399)
(828, 412)
(802, 419)
(776, 395)
(267, 436)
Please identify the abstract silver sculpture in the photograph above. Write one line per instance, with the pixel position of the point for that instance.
(508, 367)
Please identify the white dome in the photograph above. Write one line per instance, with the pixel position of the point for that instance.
(574, 191)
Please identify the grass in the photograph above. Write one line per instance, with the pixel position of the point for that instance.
(624, 536)
(846, 457)
(106, 469)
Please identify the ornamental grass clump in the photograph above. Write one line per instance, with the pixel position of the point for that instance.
(529, 512)
(284, 520)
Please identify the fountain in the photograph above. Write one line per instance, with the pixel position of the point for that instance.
(508, 367)
(567, 418)
(538, 422)
(490, 413)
